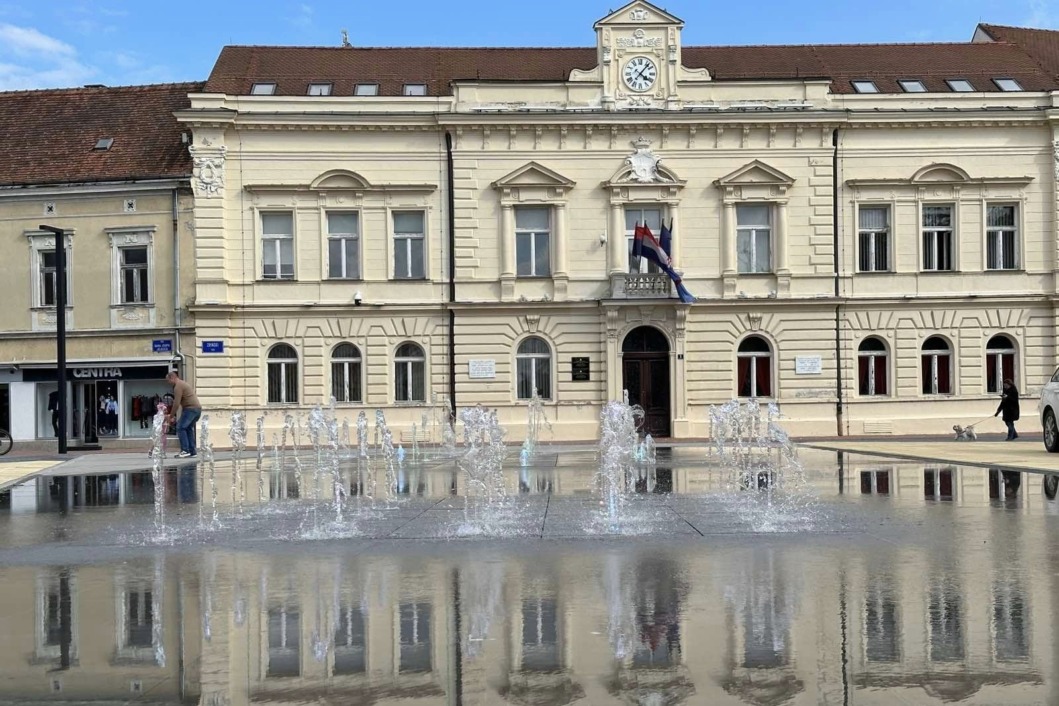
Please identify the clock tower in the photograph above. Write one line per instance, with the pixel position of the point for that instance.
(639, 57)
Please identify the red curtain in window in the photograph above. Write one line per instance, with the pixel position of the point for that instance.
(880, 375)
(744, 377)
(764, 376)
(944, 375)
(927, 375)
(990, 373)
(1007, 366)
(863, 369)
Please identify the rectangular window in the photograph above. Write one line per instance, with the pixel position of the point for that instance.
(366, 89)
(284, 642)
(139, 619)
(865, 87)
(48, 294)
(343, 245)
(937, 238)
(263, 89)
(912, 85)
(960, 85)
(277, 243)
(415, 652)
(540, 635)
(134, 276)
(533, 241)
(409, 245)
(873, 246)
(1007, 84)
(652, 218)
(319, 89)
(1001, 237)
(415, 89)
(753, 240)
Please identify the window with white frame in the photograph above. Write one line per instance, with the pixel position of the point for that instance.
(533, 369)
(319, 89)
(1001, 237)
(409, 373)
(936, 367)
(284, 641)
(135, 274)
(350, 638)
(753, 238)
(754, 374)
(938, 238)
(366, 89)
(651, 217)
(277, 245)
(282, 374)
(415, 650)
(533, 241)
(139, 633)
(871, 367)
(47, 294)
(415, 89)
(873, 239)
(409, 244)
(999, 363)
(56, 594)
(346, 373)
(343, 245)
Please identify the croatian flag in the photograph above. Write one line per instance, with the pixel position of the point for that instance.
(646, 245)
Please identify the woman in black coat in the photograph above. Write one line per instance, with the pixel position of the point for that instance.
(1009, 408)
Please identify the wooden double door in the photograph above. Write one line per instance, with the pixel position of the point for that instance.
(645, 375)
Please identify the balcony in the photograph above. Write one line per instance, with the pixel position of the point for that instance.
(641, 286)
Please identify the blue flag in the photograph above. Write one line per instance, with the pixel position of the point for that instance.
(665, 238)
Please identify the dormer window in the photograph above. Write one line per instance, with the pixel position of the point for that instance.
(960, 85)
(103, 144)
(415, 89)
(319, 89)
(1007, 84)
(263, 89)
(366, 89)
(912, 85)
(865, 86)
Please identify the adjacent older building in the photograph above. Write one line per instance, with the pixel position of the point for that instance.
(863, 227)
(110, 166)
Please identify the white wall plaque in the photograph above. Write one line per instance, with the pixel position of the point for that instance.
(481, 369)
(808, 365)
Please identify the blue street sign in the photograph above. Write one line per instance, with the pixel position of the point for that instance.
(213, 346)
(162, 346)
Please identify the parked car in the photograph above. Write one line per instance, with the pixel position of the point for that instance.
(1048, 408)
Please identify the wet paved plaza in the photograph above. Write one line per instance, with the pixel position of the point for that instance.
(885, 581)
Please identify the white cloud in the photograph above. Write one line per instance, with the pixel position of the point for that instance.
(31, 59)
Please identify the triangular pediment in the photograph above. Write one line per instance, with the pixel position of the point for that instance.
(756, 172)
(638, 13)
(532, 174)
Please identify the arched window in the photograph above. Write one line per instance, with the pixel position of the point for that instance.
(533, 369)
(345, 373)
(936, 366)
(409, 374)
(999, 362)
(871, 367)
(755, 367)
(282, 374)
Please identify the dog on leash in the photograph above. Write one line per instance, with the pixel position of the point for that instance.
(964, 433)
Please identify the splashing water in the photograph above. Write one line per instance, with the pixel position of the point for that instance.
(617, 454)
(237, 435)
(535, 421)
(207, 454)
(260, 457)
(158, 437)
(483, 464)
(362, 434)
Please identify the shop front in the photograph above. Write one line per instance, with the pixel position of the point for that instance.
(105, 401)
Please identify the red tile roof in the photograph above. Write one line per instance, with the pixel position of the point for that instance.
(49, 135)
(293, 68)
(1041, 44)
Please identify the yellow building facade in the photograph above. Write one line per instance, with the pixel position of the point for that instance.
(457, 224)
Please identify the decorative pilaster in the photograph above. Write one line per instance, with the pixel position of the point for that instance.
(619, 259)
(507, 251)
(783, 270)
(561, 275)
(728, 248)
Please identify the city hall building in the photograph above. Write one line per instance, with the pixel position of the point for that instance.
(863, 227)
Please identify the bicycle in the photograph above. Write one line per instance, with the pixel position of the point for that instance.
(5, 441)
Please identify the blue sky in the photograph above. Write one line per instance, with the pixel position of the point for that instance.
(53, 43)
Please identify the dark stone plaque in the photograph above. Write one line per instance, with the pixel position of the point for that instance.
(580, 369)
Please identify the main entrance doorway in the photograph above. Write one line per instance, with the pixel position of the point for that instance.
(645, 374)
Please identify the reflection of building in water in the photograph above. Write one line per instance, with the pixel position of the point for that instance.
(921, 483)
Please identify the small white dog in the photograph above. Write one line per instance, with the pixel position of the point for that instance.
(964, 433)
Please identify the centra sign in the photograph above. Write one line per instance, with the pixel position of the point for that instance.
(97, 373)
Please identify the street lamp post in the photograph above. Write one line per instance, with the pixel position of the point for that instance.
(60, 326)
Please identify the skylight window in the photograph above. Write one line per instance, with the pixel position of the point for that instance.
(912, 85)
(1007, 84)
(319, 89)
(865, 87)
(960, 85)
(263, 89)
(415, 89)
(366, 89)
(103, 144)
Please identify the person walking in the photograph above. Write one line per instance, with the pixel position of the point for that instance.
(184, 412)
(1009, 408)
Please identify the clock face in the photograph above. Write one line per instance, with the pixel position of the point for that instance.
(640, 73)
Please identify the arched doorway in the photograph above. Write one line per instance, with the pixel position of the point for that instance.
(645, 374)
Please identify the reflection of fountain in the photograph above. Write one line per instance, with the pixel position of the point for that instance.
(481, 593)
(617, 450)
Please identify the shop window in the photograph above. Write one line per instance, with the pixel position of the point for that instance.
(533, 369)
(754, 362)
